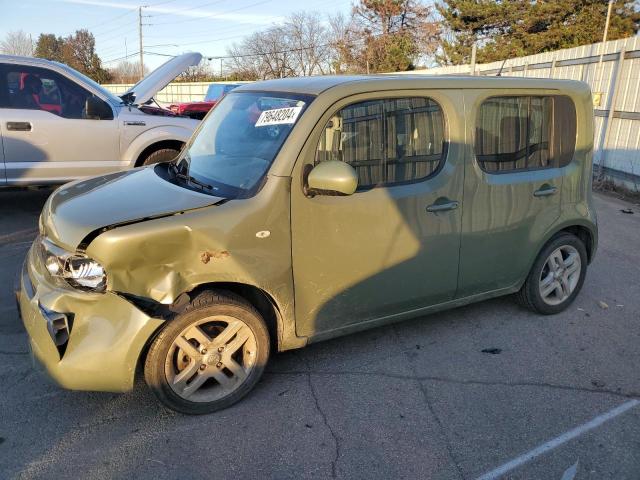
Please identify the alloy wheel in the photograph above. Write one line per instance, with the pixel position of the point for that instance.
(560, 275)
(211, 358)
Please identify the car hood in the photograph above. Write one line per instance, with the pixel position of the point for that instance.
(145, 89)
(77, 212)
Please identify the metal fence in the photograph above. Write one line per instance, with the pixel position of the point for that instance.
(172, 93)
(612, 69)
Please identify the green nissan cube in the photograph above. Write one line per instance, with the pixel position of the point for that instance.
(307, 208)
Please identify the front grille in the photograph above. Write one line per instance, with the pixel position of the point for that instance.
(59, 328)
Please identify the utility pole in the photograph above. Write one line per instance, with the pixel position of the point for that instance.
(606, 26)
(474, 49)
(599, 69)
(140, 37)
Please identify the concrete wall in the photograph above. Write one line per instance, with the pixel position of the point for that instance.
(172, 93)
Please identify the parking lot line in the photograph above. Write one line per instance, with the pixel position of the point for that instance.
(559, 440)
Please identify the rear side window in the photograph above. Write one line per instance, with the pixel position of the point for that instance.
(525, 133)
(387, 142)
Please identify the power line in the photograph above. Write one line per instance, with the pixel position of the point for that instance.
(214, 15)
(108, 32)
(187, 9)
(199, 42)
(105, 22)
(120, 58)
(159, 3)
(196, 35)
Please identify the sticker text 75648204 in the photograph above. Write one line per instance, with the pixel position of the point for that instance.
(278, 116)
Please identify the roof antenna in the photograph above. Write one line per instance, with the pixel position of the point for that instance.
(499, 74)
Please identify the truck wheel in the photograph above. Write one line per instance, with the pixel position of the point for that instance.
(162, 155)
(556, 277)
(209, 356)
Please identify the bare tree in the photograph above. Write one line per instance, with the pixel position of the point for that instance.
(301, 46)
(17, 43)
(345, 42)
(309, 43)
(263, 55)
(126, 72)
(203, 72)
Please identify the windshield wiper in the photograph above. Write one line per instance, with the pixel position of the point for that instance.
(173, 166)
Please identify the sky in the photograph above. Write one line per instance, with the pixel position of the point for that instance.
(169, 27)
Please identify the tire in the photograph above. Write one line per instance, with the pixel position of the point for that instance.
(561, 275)
(190, 380)
(162, 155)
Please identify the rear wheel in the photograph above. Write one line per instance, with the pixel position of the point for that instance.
(556, 277)
(209, 356)
(160, 156)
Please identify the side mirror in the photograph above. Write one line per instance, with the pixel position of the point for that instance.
(332, 177)
(96, 109)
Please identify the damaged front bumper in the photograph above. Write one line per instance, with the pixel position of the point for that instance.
(84, 341)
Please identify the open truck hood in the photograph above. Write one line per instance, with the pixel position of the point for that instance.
(79, 211)
(145, 89)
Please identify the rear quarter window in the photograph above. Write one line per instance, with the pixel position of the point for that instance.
(521, 133)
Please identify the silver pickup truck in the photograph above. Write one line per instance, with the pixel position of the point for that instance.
(57, 125)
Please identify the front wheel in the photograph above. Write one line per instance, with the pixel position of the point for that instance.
(161, 156)
(556, 277)
(209, 356)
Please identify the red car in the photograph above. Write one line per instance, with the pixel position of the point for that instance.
(198, 110)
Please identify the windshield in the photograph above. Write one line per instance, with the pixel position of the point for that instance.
(234, 148)
(216, 91)
(95, 85)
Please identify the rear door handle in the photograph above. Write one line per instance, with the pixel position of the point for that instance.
(19, 126)
(545, 191)
(442, 207)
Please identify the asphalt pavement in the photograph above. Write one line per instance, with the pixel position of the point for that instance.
(484, 391)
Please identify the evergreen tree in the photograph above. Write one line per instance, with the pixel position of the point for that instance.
(392, 34)
(77, 50)
(513, 28)
(50, 47)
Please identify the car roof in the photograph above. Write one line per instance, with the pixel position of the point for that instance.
(315, 85)
(25, 60)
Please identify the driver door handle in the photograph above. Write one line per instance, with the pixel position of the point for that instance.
(19, 126)
(442, 206)
(545, 191)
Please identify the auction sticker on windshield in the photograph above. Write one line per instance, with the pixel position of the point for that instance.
(278, 116)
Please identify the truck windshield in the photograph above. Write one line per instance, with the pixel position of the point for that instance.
(217, 91)
(235, 146)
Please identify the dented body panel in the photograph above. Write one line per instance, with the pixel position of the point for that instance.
(114, 200)
(165, 257)
(328, 265)
(107, 333)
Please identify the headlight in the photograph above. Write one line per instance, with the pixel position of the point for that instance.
(77, 270)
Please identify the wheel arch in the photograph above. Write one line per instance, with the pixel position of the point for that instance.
(585, 231)
(257, 297)
(154, 147)
(584, 234)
